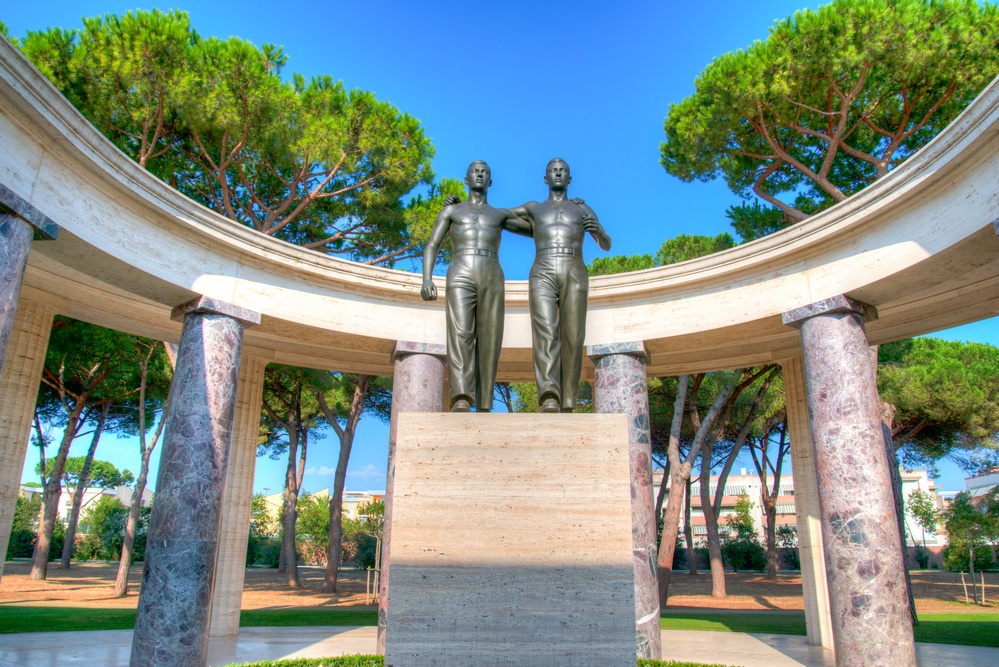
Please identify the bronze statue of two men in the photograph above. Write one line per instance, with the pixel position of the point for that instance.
(474, 288)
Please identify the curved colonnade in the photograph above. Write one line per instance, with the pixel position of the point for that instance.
(915, 252)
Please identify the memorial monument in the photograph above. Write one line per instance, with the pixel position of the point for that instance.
(474, 292)
(558, 287)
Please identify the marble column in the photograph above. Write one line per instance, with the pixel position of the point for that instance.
(19, 224)
(417, 386)
(870, 610)
(171, 627)
(230, 567)
(19, 381)
(621, 385)
(818, 622)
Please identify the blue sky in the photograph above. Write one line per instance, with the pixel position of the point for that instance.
(513, 83)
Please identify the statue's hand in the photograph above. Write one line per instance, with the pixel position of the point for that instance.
(578, 201)
(451, 200)
(592, 225)
(429, 291)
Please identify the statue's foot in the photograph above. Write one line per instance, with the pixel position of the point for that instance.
(550, 405)
(461, 405)
(568, 410)
(483, 410)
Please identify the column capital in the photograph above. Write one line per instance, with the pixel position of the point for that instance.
(631, 348)
(208, 305)
(837, 304)
(404, 347)
(12, 204)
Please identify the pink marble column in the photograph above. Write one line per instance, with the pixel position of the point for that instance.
(417, 386)
(171, 627)
(870, 609)
(621, 385)
(19, 224)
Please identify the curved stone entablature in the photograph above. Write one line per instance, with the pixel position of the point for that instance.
(919, 246)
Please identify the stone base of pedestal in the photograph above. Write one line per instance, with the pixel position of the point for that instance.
(511, 541)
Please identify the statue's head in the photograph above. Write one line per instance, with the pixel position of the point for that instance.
(478, 176)
(557, 174)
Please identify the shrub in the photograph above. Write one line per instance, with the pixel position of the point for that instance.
(105, 523)
(955, 557)
(922, 557)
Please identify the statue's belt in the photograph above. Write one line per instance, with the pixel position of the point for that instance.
(559, 250)
(476, 251)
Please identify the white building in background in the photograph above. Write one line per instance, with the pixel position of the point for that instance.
(352, 501)
(90, 496)
(979, 485)
(749, 484)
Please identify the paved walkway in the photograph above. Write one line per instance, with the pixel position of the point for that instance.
(110, 648)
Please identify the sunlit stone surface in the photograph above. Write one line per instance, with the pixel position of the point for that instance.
(511, 541)
(417, 386)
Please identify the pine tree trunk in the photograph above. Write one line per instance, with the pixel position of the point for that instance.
(336, 515)
(688, 531)
(131, 528)
(711, 527)
(50, 498)
(290, 516)
(671, 524)
(81, 487)
(771, 509)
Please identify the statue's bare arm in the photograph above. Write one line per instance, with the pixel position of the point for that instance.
(441, 227)
(518, 225)
(592, 225)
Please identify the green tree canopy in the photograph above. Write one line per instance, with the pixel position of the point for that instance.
(309, 162)
(946, 398)
(830, 101)
(103, 474)
(680, 248)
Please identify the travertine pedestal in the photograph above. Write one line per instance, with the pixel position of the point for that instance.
(171, 627)
(511, 541)
(417, 386)
(870, 607)
(621, 385)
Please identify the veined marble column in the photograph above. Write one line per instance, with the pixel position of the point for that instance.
(870, 608)
(230, 568)
(621, 385)
(417, 386)
(171, 627)
(19, 380)
(19, 223)
(818, 623)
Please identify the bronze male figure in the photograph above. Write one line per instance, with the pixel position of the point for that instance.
(474, 289)
(558, 287)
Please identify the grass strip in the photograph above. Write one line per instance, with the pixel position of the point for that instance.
(15, 618)
(263, 618)
(763, 622)
(962, 629)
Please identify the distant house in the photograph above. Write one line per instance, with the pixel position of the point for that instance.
(352, 501)
(749, 484)
(979, 485)
(90, 496)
